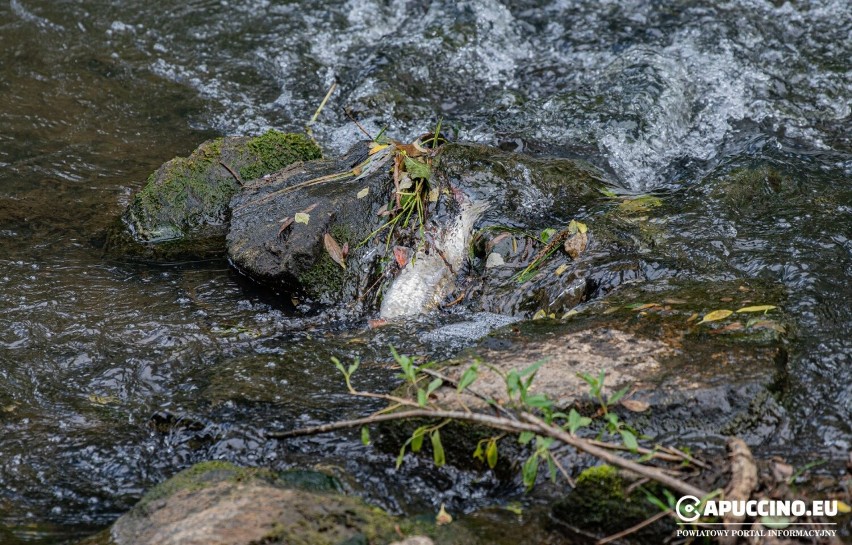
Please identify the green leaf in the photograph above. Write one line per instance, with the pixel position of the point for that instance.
(416, 169)
(401, 456)
(575, 421)
(417, 438)
(491, 453)
(339, 366)
(539, 401)
(437, 449)
(421, 397)
(775, 523)
(525, 437)
(614, 398)
(533, 368)
(513, 384)
(365, 435)
(434, 385)
(572, 227)
(354, 366)
(629, 440)
(467, 378)
(551, 467)
(547, 234)
(479, 453)
(594, 383)
(530, 471)
(656, 502)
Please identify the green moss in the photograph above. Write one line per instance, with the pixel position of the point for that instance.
(275, 150)
(187, 198)
(599, 504)
(192, 478)
(346, 521)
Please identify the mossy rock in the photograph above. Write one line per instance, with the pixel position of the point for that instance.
(599, 506)
(184, 206)
(220, 503)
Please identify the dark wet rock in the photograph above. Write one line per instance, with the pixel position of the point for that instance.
(294, 259)
(184, 206)
(219, 503)
(524, 195)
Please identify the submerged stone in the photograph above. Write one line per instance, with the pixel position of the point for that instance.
(184, 206)
(695, 381)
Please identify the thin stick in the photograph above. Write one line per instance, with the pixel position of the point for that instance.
(322, 104)
(636, 528)
(668, 457)
(233, 173)
(349, 115)
(613, 459)
(532, 424)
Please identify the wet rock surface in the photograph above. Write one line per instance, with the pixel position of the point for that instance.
(689, 381)
(511, 193)
(268, 242)
(215, 503)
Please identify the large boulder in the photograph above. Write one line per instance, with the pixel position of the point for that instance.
(184, 206)
(279, 228)
(217, 503)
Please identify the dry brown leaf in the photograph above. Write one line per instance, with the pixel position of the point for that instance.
(400, 254)
(284, 225)
(334, 250)
(635, 405)
(576, 244)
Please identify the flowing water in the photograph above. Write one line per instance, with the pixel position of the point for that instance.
(114, 375)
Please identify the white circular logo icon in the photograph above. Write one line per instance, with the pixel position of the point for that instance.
(687, 508)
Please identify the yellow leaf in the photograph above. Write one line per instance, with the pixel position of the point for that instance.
(301, 217)
(363, 193)
(716, 315)
(561, 269)
(540, 315)
(434, 194)
(443, 517)
(843, 507)
(376, 148)
(759, 308)
(570, 313)
(582, 227)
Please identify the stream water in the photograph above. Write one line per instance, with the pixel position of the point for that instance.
(115, 375)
